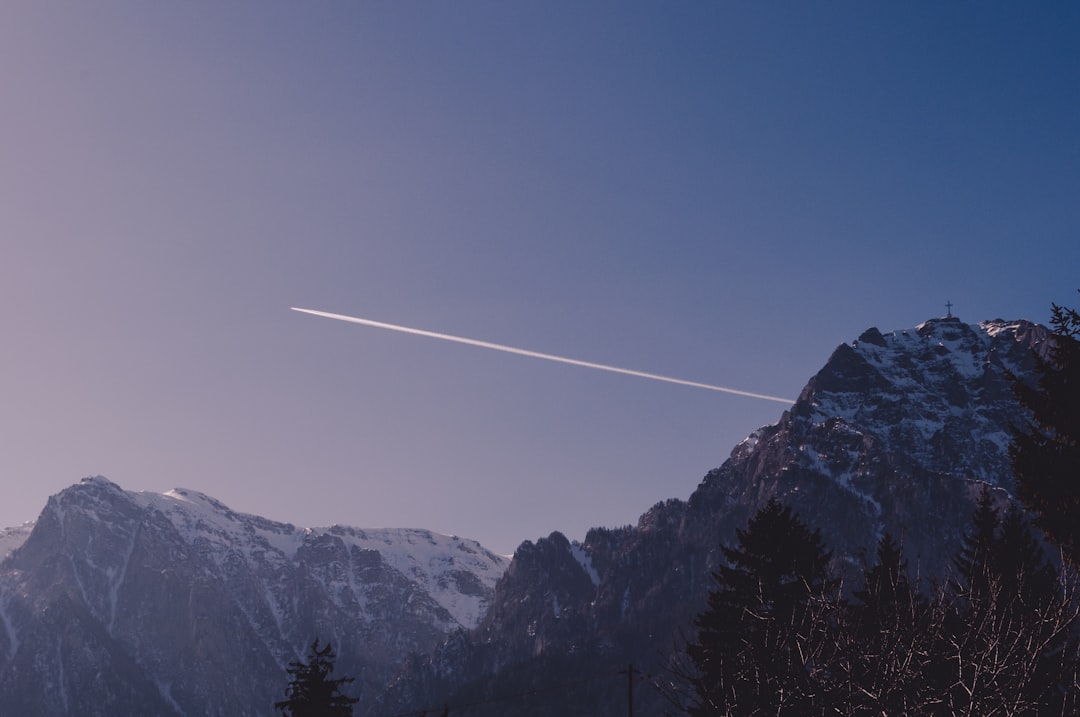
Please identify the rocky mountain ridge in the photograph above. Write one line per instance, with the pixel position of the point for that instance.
(143, 603)
(130, 603)
(898, 431)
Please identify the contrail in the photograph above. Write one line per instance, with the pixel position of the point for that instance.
(537, 354)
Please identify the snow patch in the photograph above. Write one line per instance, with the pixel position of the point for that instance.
(998, 326)
(751, 441)
(116, 580)
(165, 688)
(9, 626)
(585, 561)
(815, 461)
(61, 678)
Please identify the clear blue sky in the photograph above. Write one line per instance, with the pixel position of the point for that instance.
(719, 191)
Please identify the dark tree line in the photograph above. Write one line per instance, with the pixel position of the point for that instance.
(1046, 455)
(760, 638)
(779, 637)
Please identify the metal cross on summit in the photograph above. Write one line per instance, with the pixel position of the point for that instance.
(948, 307)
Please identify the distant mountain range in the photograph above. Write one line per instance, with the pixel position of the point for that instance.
(124, 603)
(136, 603)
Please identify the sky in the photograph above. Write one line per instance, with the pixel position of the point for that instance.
(721, 192)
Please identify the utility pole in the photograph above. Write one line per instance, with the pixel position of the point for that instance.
(630, 671)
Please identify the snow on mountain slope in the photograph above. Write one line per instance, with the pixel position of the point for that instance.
(898, 431)
(437, 563)
(180, 605)
(933, 370)
(934, 398)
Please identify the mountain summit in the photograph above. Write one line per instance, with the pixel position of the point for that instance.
(142, 603)
(898, 431)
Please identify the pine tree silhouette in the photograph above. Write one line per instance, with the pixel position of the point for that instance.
(311, 691)
(890, 640)
(973, 563)
(1046, 455)
(758, 642)
(1009, 634)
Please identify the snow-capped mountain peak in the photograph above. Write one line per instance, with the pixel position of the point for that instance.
(173, 603)
(938, 389)
(142, 570)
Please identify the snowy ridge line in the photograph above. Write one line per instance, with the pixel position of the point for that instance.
(433, 561)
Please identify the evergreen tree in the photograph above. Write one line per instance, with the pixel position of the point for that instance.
(973, 562)
(311, 691)
(885, 587)
(1046, 455)
(889, 640)
(1022, 566)
(1009, 640)
(762, 642)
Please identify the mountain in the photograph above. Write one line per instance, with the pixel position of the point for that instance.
(898, 431)
(116, 602)
(161, 604)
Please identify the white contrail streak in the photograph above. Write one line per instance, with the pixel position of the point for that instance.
(537, 354)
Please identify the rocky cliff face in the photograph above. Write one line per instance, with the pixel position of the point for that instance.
(138, 603)
(897, 432)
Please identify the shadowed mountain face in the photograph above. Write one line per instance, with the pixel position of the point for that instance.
(897, 432)
(136, 603)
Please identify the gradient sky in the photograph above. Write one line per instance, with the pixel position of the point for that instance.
(721, 192)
